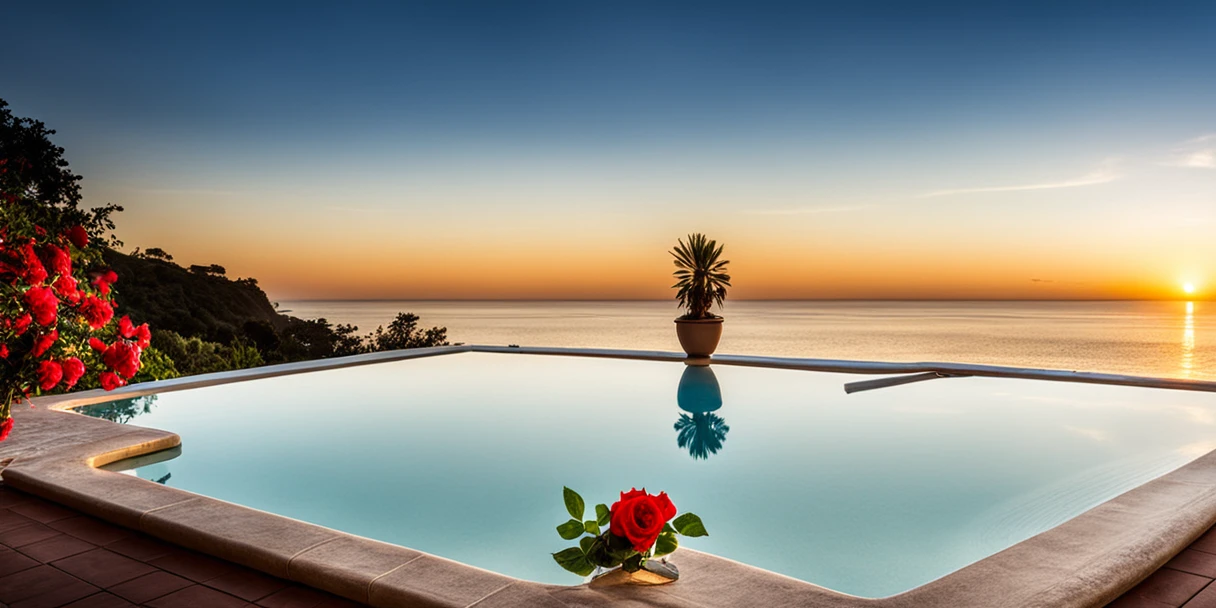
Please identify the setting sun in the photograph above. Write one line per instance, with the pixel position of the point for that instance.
(1188, 287)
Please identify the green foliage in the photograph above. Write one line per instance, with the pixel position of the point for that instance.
(574, 560)
(701, 278)
(666, 544)
(571, 529)
(155, 365)
(603, 516)
(574, 503)
(689, 525)
(403, 332)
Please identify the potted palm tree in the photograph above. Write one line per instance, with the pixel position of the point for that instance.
(701, 282)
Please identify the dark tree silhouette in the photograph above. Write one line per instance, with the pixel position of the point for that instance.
(702, 434)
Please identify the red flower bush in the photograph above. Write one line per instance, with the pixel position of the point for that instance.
(56, 308)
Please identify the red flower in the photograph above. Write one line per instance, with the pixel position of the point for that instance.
(44, 342)
(143, 336)
(125, 328)
(49, 375)
(61, 262)
(34, 271)
(78, 236)
(97, 345)
(110, 381)
(3, 351)
(96, 311)
(639, 517)
(6, 427)
(21, 323)
(103, 281)
(122, 357)
(73, 369)
(43, 305)
(66, 287)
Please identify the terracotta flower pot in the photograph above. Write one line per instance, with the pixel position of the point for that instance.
(699, 337)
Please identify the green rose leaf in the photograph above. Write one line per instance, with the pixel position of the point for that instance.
(668, 528)
(602, 515)
(574, 560)
(586, 543)
(571, 529)
(689, 525)
(666, 544)
(633, 564)
(574, 503)
(599, 554)
(591, 526)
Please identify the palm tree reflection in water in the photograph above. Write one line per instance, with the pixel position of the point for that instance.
(704, 432)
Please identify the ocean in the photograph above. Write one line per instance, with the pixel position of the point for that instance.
(1166, 339)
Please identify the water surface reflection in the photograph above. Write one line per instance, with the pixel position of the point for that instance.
(699, 394)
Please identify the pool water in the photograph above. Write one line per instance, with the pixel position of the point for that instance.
(872, 494)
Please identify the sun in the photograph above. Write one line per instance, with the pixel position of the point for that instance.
(1188, 288)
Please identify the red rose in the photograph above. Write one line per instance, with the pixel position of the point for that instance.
(96, 311)
(102, 281)
(110, 381)
(49, 375)
(639, 517)
(66, 287)
(3, 351)
(43, 305)
(22, 323)
(122, 357)
(78, 236)
(61, 262)
(97, 345)
(44, 342)
(34, 271)
(6, 427)
(125, 328)
(73, 369)
(143, 336)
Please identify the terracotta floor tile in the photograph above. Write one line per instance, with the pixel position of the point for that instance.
(42, 511)
(91, 530)
(10, 520)
(43, 580)
(1168, 586)
(193, 566)
(56, 547)
(1195, 562)
(1203, 599)
(294, 597)
(102, 567)
(19, 537)
(1130, 601)
(101, 600)
(247, 584)
(10, 497)
(1207, 542)
(12, 561)
(150, 586)
(140, 547)
(197, 596)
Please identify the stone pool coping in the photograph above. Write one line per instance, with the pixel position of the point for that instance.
(1087, 561)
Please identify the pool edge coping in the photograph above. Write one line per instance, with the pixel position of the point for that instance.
(1103, 552)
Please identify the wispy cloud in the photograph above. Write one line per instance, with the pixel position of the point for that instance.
(809, 210)
(1103, 174)
(1198, 153)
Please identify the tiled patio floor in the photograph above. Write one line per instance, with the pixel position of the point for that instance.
(1185, 581)
(52, 557)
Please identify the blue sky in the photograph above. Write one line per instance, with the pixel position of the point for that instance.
(870, 132)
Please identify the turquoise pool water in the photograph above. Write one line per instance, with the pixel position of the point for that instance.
(873, 493)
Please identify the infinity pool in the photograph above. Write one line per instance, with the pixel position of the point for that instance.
(874, 493)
